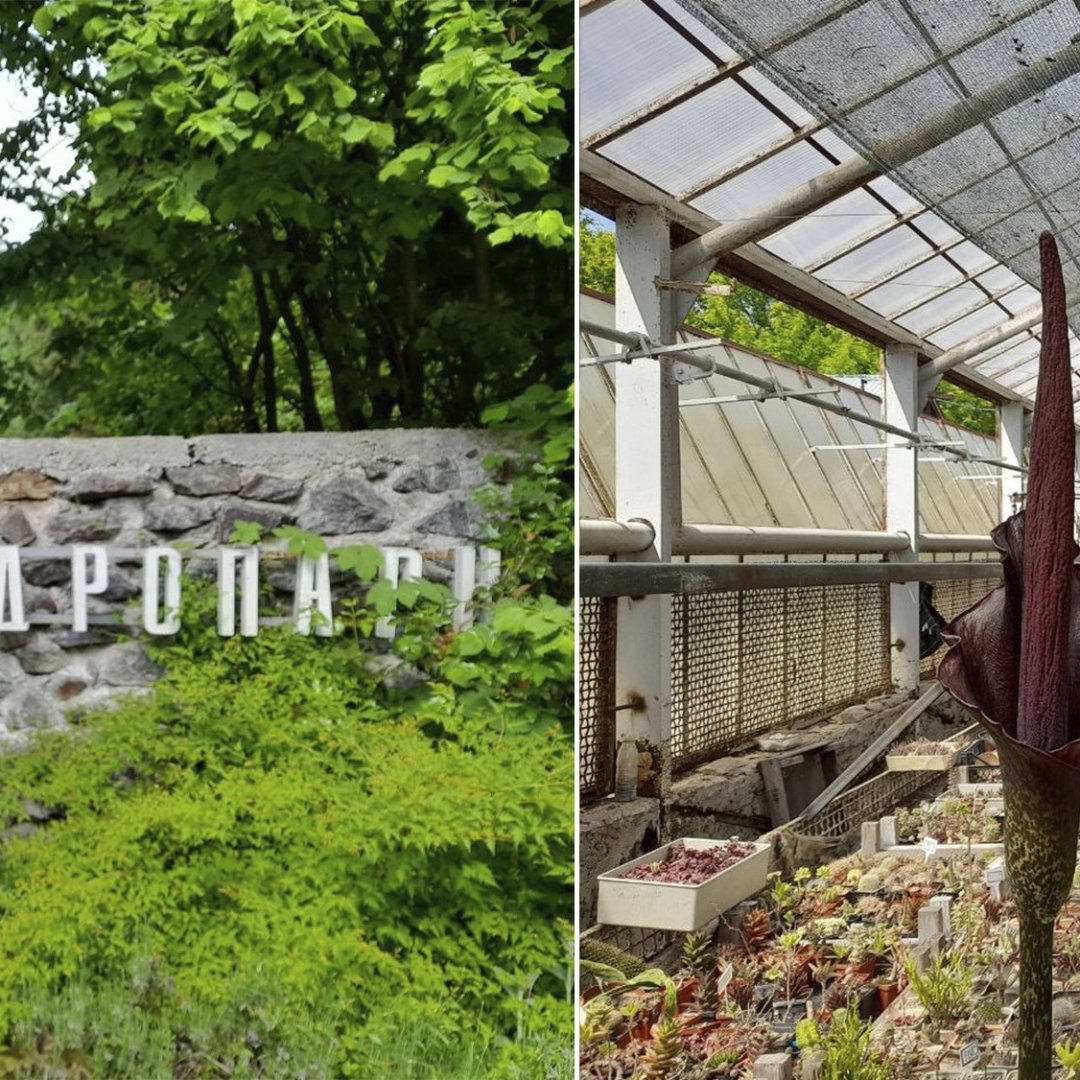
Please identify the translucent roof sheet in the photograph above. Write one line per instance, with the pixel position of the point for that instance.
(727, 105)
(763, 463)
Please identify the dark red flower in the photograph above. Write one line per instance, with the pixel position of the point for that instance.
(1015, 656)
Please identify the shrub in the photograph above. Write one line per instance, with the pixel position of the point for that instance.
(282, 863)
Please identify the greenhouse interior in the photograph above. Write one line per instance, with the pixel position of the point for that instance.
(801, 853)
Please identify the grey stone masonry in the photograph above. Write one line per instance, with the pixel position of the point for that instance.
(413, 489)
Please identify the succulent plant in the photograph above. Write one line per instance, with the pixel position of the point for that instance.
(664, 1052)
(755, 928)
(697, 953)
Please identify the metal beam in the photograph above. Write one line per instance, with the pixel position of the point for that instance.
(764, 270)
(605, 536)
(907, 309)
(1006, 346)
(758, 157)
(660, 105)
(957, 543)
(873, 751)
(836, 254)
(1024, 320)
(820, 190)
(684, 354)
(754, 265)
(792, 205)
(671, 99)
(900, 403)
(1011, 444)
(681, 579)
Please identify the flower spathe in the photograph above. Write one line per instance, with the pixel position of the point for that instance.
(1015, 662)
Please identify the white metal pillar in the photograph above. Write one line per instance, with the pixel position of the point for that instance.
(1011, 445)
(902, 507)
(647, 484)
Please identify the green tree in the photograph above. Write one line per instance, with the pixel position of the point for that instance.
(298, 213)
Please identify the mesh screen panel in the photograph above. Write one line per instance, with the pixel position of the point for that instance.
(951, 598)
(596, 704)
(750, 661)
(843, 817)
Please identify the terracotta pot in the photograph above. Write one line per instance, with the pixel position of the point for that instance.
(887, 994)
(866, 966)
(687, 991)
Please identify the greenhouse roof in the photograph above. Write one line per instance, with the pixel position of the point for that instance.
(888, 164)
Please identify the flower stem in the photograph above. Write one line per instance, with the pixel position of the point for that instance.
(1040, 852)
(1036, 967)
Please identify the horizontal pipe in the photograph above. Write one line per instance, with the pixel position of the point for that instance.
(609, 333)
(606, 536)
(960, 543)
(603, 536)
(760, 540)
(681, 579)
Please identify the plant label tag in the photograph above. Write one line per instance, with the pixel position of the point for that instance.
(995, 875)
(969, 1055)
(724, 977)
(929, 845)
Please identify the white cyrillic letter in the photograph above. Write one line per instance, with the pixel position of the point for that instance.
(11, 594)
(248, 557)
(82, 585)
(399, 564)
(153, 621)
(463, 585)
(313, 590)
(488, 567)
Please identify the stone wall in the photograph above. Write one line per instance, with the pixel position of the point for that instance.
(390, 488)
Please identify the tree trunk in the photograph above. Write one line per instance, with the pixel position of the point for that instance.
(267, 325)
(309, 407)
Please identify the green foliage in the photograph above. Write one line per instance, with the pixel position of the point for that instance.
(300, 213)
(807, 1033)
(298, 855)
(534, 509)
(943, 988)
(596, 248)
(1068, 1055)
(848, 1051)
(289, 861)
(756, 321)
(300, 542)
(497, 92)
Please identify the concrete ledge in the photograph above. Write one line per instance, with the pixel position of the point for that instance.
(610, 833)
(300, 451)
(64, 458)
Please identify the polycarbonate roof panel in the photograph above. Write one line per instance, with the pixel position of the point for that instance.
(616, 36)
(763, 183)
(768, 463)
(834, 79)
(682, 145)
(974, 47)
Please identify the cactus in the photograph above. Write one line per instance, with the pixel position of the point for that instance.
(599, 952)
